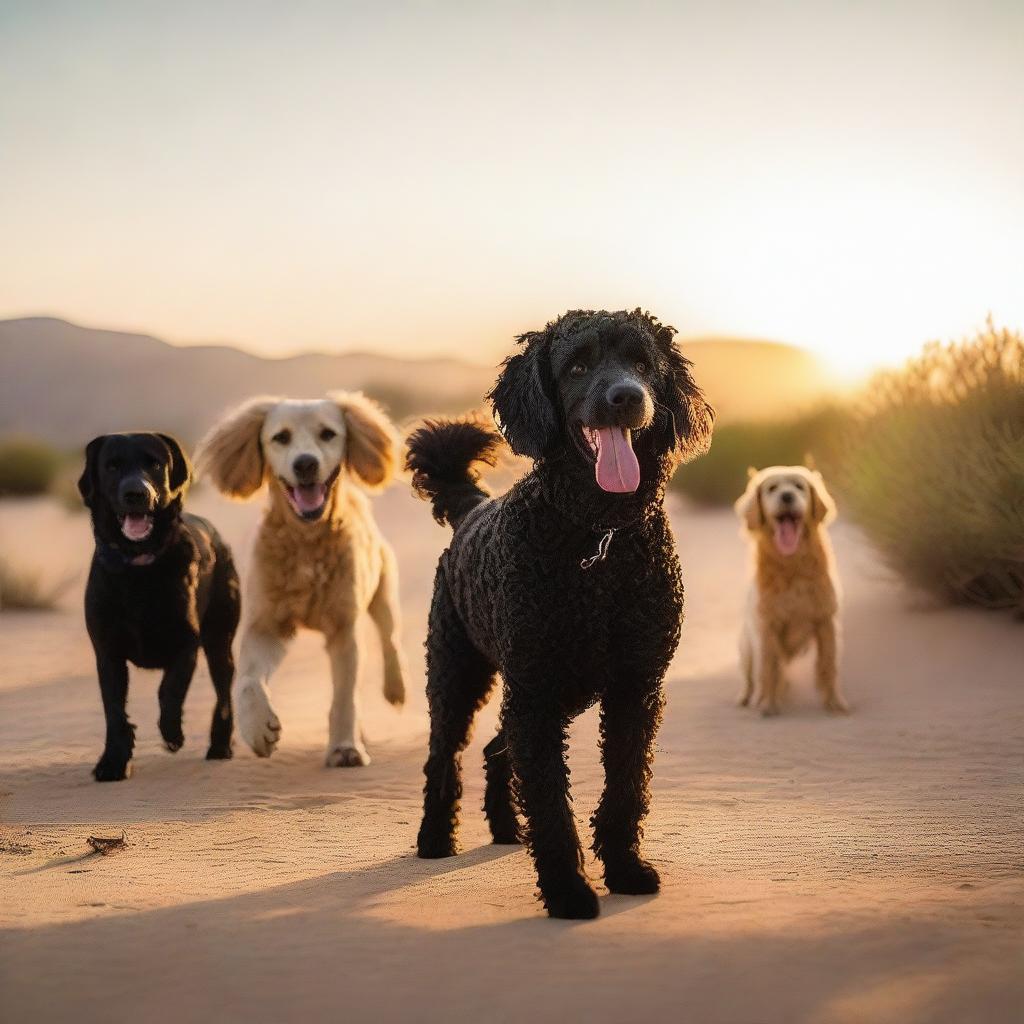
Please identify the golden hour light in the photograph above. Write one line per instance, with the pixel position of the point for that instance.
(511, 512)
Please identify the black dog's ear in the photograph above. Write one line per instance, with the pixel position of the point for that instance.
(87, 482)
(692, 417)
(180, 473)
(522, 401)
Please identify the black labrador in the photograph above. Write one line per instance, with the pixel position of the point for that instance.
(162, 584)
(568, 585)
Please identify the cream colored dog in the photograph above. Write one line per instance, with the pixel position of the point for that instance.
(319, 560)
(794, 598)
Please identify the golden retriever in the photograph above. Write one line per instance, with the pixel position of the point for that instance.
(319, 560)
(794, 598)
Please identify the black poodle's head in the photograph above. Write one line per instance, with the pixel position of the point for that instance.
(133, 485)
(603, 388)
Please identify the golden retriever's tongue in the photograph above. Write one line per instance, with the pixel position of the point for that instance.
(787, 536)
(617, 468)
(309, 499)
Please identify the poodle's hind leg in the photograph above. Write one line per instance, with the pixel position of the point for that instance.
(459, 680)
(499, 804)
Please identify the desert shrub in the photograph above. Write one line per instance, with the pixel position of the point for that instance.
(27, 466)
(720, 476)
(934, 469)
(26, 590)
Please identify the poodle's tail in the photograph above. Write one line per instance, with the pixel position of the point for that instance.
(442, 457)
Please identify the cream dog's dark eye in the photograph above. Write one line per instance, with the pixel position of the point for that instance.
(771, 487)
(327, 434)
(578, 369)
(282, 437)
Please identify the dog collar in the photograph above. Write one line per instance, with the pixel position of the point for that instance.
(114, 558)
(602, 547)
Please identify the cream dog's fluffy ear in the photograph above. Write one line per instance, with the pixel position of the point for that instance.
(371, 442)
(231, 453)
(748, 505)
(823, 506)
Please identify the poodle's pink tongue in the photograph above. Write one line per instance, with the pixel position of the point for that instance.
(787, 536)
(309, 499)
(617, 468)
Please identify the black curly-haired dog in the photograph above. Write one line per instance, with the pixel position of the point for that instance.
(162, 584)
(568, 585)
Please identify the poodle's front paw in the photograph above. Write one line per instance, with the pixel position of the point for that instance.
(347, 755)
(632, 877)
(255, 718)
(572, 899)
(435, 843)
(219, 752)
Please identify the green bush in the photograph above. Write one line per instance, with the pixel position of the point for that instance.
(720, 476)
(27, 466)
(934, 471)
(25, 590)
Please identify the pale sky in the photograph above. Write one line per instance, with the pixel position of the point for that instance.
(436, 177)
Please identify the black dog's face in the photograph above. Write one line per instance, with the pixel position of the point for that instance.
(603, 388)
(133, 481)
(606, 383)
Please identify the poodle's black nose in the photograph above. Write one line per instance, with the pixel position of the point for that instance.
(625, 395)
(305, 467)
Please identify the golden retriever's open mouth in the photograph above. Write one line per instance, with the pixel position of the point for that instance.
(309, 500)
(788, 530)
(136, 526)
(616, 468)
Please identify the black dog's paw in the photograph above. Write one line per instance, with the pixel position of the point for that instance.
(174, 738)
(506, 834)
(632, 878)
(572, 899)
(219, 752)
(111, 769)
(432, 845)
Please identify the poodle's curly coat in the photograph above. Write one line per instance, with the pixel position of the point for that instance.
(512, 595)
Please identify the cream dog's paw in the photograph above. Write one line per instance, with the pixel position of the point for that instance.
(347, 755)
(257, 723)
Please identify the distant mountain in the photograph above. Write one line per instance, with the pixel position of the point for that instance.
(66, 383)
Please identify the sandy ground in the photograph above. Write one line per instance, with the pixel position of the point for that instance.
(815, 869)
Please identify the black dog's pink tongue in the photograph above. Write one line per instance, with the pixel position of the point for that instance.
(617, 469)
(136, 527)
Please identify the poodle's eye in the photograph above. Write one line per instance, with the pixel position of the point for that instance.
(327, 434)
(641, 366)
(578, 370)
(282, 437)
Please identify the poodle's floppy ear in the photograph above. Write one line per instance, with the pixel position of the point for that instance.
(823, 506)
(231, 452)
(692, 418)
(522, 402)
(748, 505)
(180, 473)
(87, 481)
(371, 444)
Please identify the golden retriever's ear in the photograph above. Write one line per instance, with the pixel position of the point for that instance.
(371, 444)
(748, 505)
(231, 453)
(751, 472)
(823, 507)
